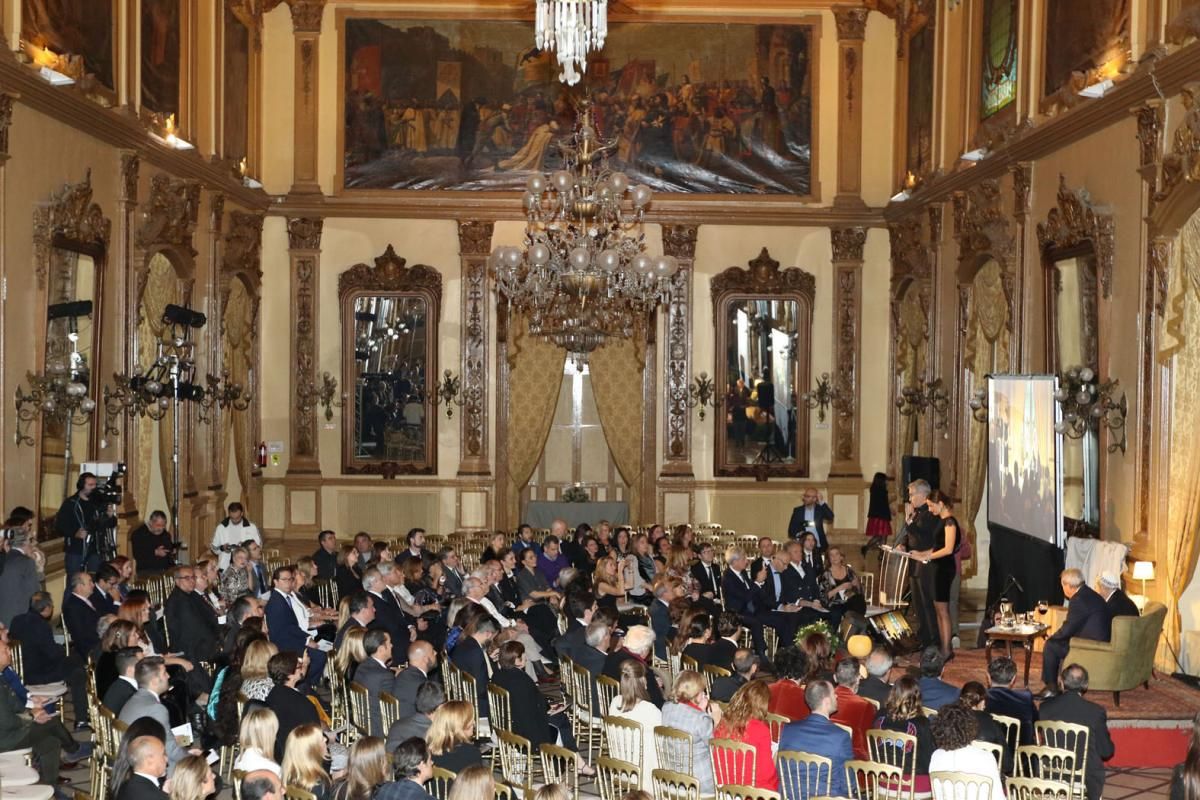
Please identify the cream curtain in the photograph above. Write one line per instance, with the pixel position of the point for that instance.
(161, 289)
(237, 357)
(618, 371)
(1181, 341)
(986, 351)
(535, 377)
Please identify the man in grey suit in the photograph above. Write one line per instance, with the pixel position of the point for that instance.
(20, 576)
(429, 697)
(375, 676)
(422, 661)
(452, 572)
(125, 686)
(151, 676)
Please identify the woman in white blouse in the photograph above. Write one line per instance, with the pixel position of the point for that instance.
(954, 728)
(633, 703)
(259, 728)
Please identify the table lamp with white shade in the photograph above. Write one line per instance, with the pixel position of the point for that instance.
(1143, 571)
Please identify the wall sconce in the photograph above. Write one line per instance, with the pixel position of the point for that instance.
(308, 396)
(824, 396)
(928, 395)
(136, 396)
(57, 396)
(979, 405)
(449, 392)
(223, 394)
(702, 393)
(1087, 404)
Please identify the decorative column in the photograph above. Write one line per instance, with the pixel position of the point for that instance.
(847, 336)
(6, 106)
(304, 254)
(474, 245)
(218, 461)
(679, 241)
(128, 297)
(851, 30)
(306, 25)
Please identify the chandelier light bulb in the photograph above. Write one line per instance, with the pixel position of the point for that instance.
(539, 255)
(641, 196)
(1086, 375)
(513, 257)
(1083, 398)
(561, 180)
(608, 260)
(580, 259)
(619, 182)
(48, 405)
(536, 183)
(530, 201)
(88, 405)
(643, 264)
(663, 267)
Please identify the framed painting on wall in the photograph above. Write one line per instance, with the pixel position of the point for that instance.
(471, 105)
(74, 37)
(998, 76)
(160, 56)
(1091, 37)
(919, 129)
(236, 78)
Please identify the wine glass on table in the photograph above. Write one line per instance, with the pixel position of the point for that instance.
(1042, 608)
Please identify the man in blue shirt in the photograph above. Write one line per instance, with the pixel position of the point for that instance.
(816, 734)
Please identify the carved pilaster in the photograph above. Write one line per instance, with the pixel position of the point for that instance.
(6, 107)
(1022, 176)
(170, 215)
(474, 245)
(130, 165)
(71, 214)
(304, 253)
(1150, 128)
(306, 25)
(851, 28)
(679, 241)
(847, 337)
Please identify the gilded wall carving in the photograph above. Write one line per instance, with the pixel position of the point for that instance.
(170, 214)
(1149, 135)
(70, 213)
(1075, 221)
(304, 240)
(983, 229)
(474, 244)
(1182, 163)
(765, 277)
(304, 233)
(847, 246)
(911, 311)
(390, 273)
(130, 166)
(679, 241)
(6, 104)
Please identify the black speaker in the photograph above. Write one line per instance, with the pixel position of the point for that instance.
(920, 467)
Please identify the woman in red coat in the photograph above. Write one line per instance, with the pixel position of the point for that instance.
(787, 693)
(743, 722)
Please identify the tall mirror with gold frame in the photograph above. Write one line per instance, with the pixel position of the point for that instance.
(1072, 339)
(390, 313)
(763, 319)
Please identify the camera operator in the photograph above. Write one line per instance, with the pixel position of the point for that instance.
(152, 545)
(82, 521)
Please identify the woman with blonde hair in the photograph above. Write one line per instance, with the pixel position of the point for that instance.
(369, 768)
(692, 713)
(256, 683)
(633, 704)
(473, 783)
(451, 736)
(351, 653)
(192, 779)
(304, 755)
(235, 580)
(743, 722)
(552, 791)
(257, 735)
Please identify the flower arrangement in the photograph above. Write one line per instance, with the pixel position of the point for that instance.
(821, 627)
(576, 494)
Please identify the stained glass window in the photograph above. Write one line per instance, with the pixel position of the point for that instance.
(999, 85)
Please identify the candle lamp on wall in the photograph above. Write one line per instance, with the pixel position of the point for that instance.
(308, 395)
(927, 396)
(702, 393)
(224, 394)
(823, 396)
(449, 392)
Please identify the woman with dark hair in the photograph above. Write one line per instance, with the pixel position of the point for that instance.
(954, 729)
(348, 576)
(879, 514)
(699, 639)
(620, 543)
(903, 713)
(787, 692)
(1185, 780)
(945, 544)
(532, 715)
(974, 697)
(368, 768)
(743, 722)
(820, 657)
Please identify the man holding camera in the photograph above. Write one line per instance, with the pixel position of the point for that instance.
(81, 521)
(152, 545)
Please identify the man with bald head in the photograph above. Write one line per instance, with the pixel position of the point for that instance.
(262, 784)
(422, 661)
(148, 757)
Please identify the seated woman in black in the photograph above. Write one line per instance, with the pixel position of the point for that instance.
(903, 713)
(451, 736)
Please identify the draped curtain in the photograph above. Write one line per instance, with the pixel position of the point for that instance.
(237, 357)
(986, 351)
(535, 377)
(1181, 341)
(161, 289)
(618, 370)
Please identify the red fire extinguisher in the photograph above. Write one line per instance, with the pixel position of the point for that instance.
(262, 454)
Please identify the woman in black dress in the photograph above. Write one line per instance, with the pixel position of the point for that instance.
(941, 558)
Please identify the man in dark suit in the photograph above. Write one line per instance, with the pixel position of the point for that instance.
(80, 616)
(451, 571)
(708, 574)
(286, 670)
(149, 760)
(818, 735)
(637, 645)
(875, 686)
(801, 592)
(1002, 698)
(935, 692)
(580, 607)
(388, 615)
(429, 697)
(191, 621)
(422, 661)
(45, 660)
(362, 614)
(374, 675)
(325, 556)
(811, 516)
(105, 579)
(766, 549)
(413, 766)
(593, 654)
(284, 626)
(125, 686)
(1071, 707)
(416, 549)
(729, 632)
(470, 655)
(742, 594)
(1119, 604)
(660, 616)
(1087, 617)
(745, 667)
(18, 730)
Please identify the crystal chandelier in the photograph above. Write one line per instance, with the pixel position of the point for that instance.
(573, 28)
(583, 274)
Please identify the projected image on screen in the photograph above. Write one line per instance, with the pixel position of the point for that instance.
(1022, 472)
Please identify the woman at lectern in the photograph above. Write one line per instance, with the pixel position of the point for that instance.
(945, 544)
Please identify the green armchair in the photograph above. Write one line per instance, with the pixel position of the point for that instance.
(1127, 659)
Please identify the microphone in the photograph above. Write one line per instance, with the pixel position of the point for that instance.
(1013, 578)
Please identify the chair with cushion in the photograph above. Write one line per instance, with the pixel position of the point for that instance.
(1127, 658)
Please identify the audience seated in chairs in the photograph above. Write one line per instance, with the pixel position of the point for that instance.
(1070, 706)
(743, 722)
(303, 761)
(413, 768)
(45, 660)
(369, 766)
(637, 645)
(954, 729)
(451, 736)
(787, 692)
(723, 648)
(151, 675)
(692, 713)
(149, 761)
(1003, 699)
(471, 655)
(745, 667)
(259, 731)
(853, 710)
(633, 704)
(879, 667)
(120, 690)
(934, 691)
(287, 670)
(903, 713)
(974, 697)
(818, 735)
(375, 676)
(430, 697)
(422, 661)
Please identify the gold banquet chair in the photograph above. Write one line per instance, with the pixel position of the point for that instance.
(671, 785)
(1067, 736)
(1037, 789)
(558, 767)
(1046, 763)
(439, 783)
(360, 715)
(803, 774)
(500, 707)
(776, 722)
(733, 791)
(516, 761)
(732, 762)
(674, 749)
(996, 750)
(897, 750)
(624, 740)
(870, 780)
(962, 786)
(615, 778)
(607, 688)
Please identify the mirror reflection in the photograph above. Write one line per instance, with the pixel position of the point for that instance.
(70, 343)
(1073, 298)
(760, 395)
(390, 378)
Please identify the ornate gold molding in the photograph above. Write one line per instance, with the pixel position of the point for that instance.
(848, 246)
(1182, 163)
(307, 15)
(679, 241)
(851, 22)
(474, 246)
(1022, 177)
(1075, 221)
(390, 273)
(304, 244)
(304, 233)
(170, 215)
(764, 276)
(6, 107)
(130, 168)
(70, 214)
(848, 243)
(1149, 134)
(983, 229)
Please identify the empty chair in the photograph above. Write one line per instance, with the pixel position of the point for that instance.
(1047, 763)
(516, 761)
(614, 778)
(803, 775)
(1068, 736)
